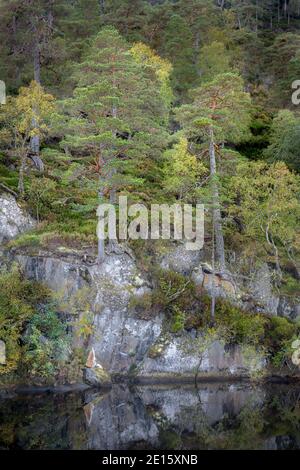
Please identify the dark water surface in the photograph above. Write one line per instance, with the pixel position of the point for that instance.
(213, 416)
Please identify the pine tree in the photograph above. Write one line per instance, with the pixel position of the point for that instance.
(285, 140)
(219, 113)
(116, 116)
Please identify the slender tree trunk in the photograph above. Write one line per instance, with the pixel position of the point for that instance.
(21, 175)
(213, 283)
(35, 140)
(285, 8)
(101, 243)
(112, 193)
(216, 212)
(196, 52)
(272, 244)
(37, 63)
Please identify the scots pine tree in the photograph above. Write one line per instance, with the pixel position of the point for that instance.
(116, 118)
(218, 114)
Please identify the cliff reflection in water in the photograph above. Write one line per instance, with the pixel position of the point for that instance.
(213, 416)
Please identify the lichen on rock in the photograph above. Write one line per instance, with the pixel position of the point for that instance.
(13, 219)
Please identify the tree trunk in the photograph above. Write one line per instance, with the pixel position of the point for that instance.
(21, 175)
(113, 193)
(101, 243)
(37, 63)
(285, 8)
(35, 140)
(216, 212)
(213, 283)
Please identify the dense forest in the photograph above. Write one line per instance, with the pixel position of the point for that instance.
(162, 101)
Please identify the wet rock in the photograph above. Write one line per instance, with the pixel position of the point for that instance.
(13, 219)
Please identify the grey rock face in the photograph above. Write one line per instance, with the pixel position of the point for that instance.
(2, 353)
(261, 290)
(97, 377)
(296, 313)
(13, 220)
(124, 344)
(60, 275)
(120, 341)
(185, 356)
(181, 260)
(285, 309)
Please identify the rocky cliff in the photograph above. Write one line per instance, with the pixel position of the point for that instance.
(123, 343)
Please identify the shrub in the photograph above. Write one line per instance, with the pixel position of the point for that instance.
(172, 289)
(279, 336)
(18, 300)
(178, 320)
(46, 344)
(279, 331)
(240, 327)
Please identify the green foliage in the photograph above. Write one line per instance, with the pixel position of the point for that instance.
(280, 330)
(265, 199)
(172, 289)
(178, 320)
(41, 195)
(284, 140)
(182, 171)
(173, 294)
(240, 327)
(214, 60)
(178, 46)
(115, 69)
(220, 104)
(46, 345)
(115, 116)
(36, 338)
(18, 301)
